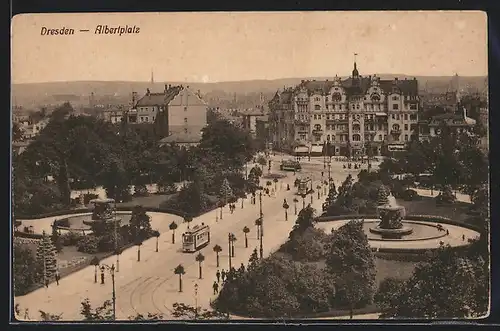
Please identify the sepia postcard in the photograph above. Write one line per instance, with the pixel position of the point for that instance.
(236, 166)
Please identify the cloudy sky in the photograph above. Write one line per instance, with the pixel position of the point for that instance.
(214, 47)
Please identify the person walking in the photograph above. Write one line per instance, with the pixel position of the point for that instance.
(58, 277)
(215, 287)
(102, 275)
(223, 275)
(463, 237)
(46, 282)
(218, 276)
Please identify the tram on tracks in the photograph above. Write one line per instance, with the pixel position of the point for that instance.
(195, 238)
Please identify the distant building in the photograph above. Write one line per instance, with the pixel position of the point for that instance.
(20, 146)
(449, 100)
(113, 115)
(32, 130)
(21, 117)
(351, 114)
(250, 118)
(457, 122)
(177, 109)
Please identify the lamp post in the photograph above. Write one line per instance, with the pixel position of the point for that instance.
(196, 301)
(261, 215)
(116, 240)
(229, 249)
(112, 273)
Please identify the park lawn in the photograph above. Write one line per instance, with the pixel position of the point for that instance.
(150, 201)
(427, 206)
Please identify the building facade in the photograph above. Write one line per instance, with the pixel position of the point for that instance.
(356, 116)
(176, 110)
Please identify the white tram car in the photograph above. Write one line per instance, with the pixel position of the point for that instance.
(195, 238)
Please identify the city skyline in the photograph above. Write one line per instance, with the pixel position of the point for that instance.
(225, 47)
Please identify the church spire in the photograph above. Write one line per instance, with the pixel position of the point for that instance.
(355, 73)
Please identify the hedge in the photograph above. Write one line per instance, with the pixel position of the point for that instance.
(86, 210)
(27, 235)
(425, 218)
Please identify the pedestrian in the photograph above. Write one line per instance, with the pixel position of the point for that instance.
(216, 288)
(242, 268)
(288, 187)
(218, 275)
(46, 282)
(57, 277)
(102, 276)
(223, 275)
(463, 237)
(447, 232)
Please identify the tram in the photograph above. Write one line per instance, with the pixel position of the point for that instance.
(195, 238)
(290, 165)
(304, 185)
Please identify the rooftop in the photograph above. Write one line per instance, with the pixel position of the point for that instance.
(182, 137)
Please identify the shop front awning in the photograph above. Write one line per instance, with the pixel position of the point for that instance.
(301, 150)
(317, 149)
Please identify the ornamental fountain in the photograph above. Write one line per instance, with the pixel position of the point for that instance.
(391, 216)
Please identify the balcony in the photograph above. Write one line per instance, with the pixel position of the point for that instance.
(395, 131)
(299, 121)
(318, 132)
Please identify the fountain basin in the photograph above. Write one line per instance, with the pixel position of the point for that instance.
(392, 233)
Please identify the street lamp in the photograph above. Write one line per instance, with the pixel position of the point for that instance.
(196, 301)
(229, 249)
(116, 239)
(261, 215)
(112, 273)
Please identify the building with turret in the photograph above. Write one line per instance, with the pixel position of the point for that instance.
(356, 116)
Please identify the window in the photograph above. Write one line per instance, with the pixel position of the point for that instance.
(185, 120)
(406, 117)
(395, 127)
(356, 137)
(406, 137)
(385, 137)
(328, 137)
(397, 117)
(413, 107)
(393, 116)
(353, 106)
(185, 108)
(394, 97)
(153, 118)
(326, 98)
(357, 106)
(327, 117)
(333, 137)
(356, 127)
(317, 107)
(406, 126)
(413, 117)
(395, 106)
(380, 137)
(317, 127)
(317, 99)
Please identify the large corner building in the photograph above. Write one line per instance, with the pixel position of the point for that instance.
(352, 115)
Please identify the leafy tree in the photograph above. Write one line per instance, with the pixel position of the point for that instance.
(225, 191)
(101, 313)
(246, 230)
(200, 258)
(304, 221)
(254, 260)
(139, 224)
(156, 233)
(387, 294)
(350, 260)
(186, 312)
(56, 239)
(148, 317)
(24, 269)
(173, 226)
(449, 285)
(49, 317)
(179, 270)
(217, 249)
(17, 133)
(46, 258)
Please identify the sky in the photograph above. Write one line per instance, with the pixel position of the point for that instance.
(232, 46)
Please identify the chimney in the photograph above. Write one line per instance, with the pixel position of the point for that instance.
(134, 98)
(169, 86)
(148, 92)
(396, 78)
(199, 93)
(166, 87)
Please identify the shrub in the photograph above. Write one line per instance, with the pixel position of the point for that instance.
(89, 196)
(70, 238)
(62, 223)
(410, 195)
(261, 160)
(167, 188)
(27, 235)
(88, 244)
(446, 196)
(141, 190)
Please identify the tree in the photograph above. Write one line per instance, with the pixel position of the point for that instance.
(246, 230)
(17, 133)
(448, 285)
(350, 261)
(101, 313)
(172, 227)
(332, 194)
(49, 317)
(95, 262)
(24, 269)
(148, 317)
(183, 311)
(179, 270)
(156, 234)
(46, 258)
(225, 191)
(254, 259)
(188, 219)
(56, 239)
(387, 294)
(139, 224)
(200, 258)
(304, 221)
(217, 249)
